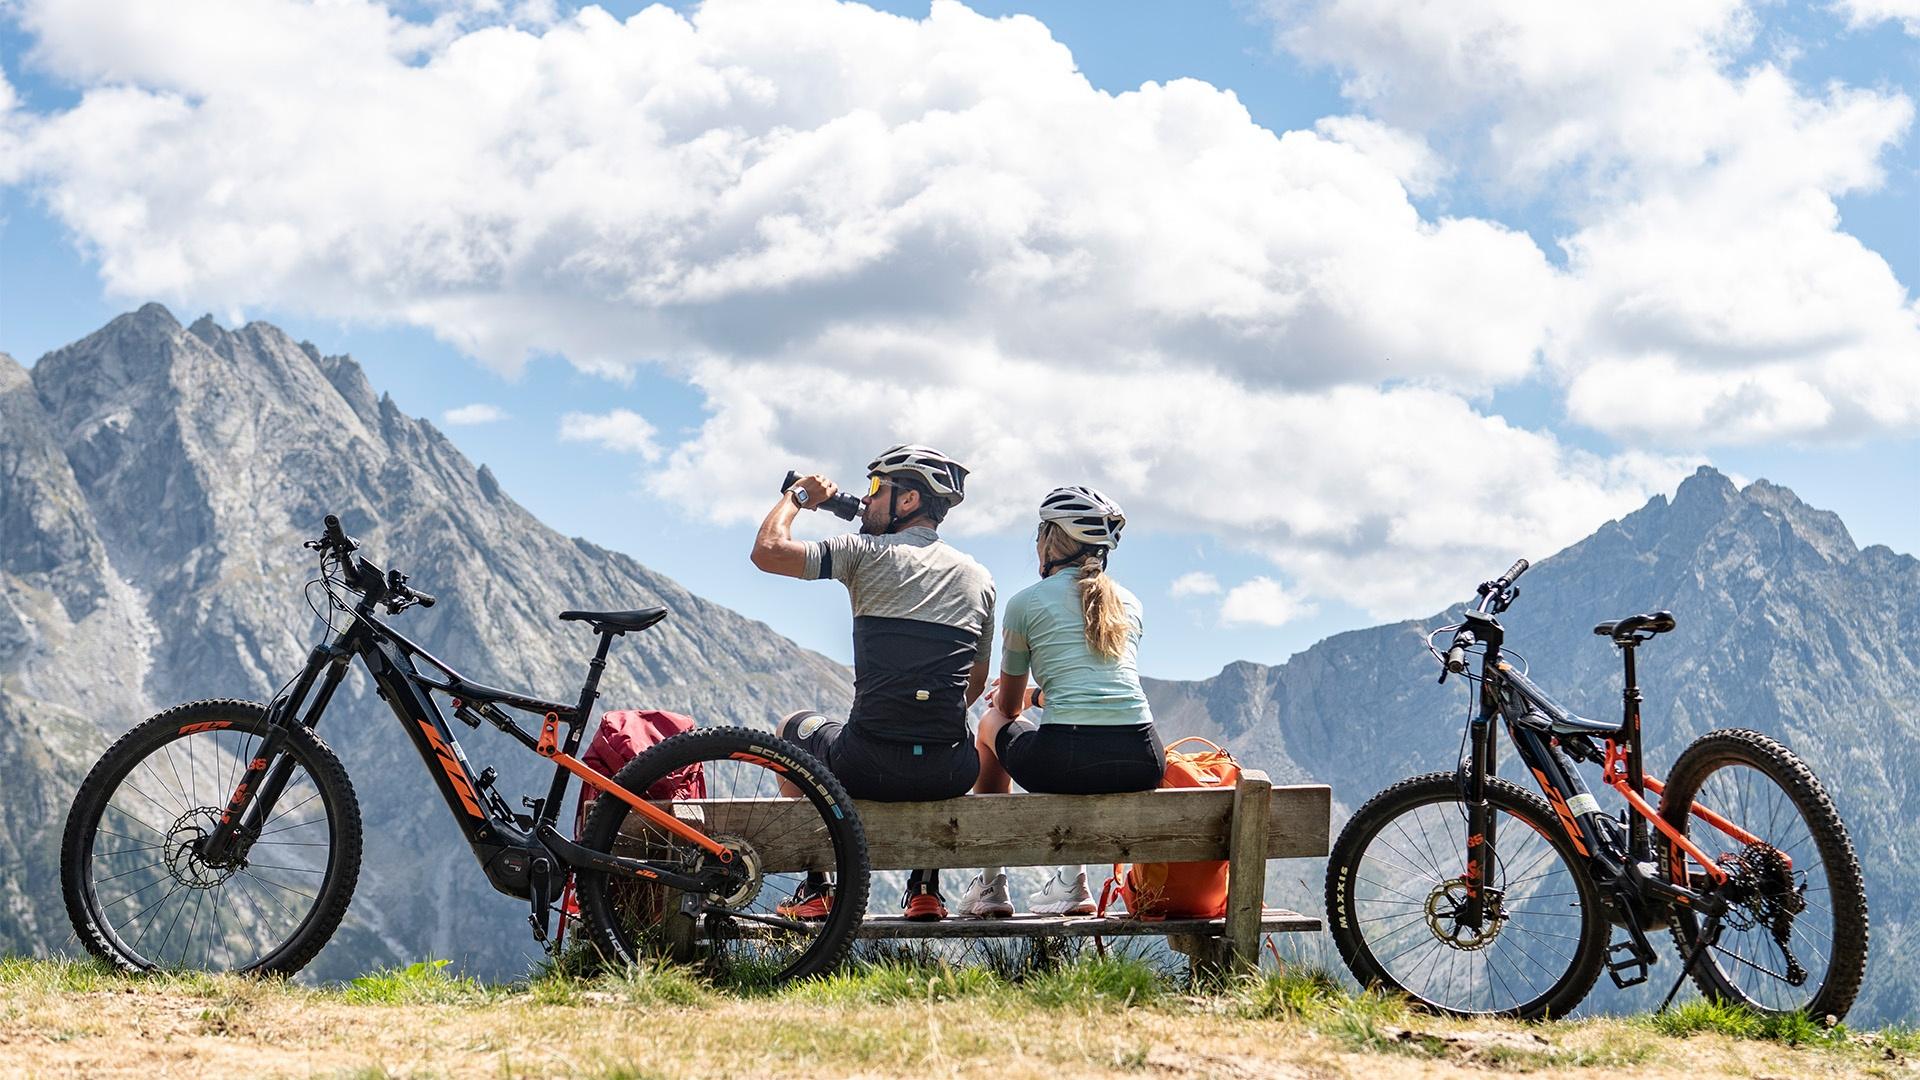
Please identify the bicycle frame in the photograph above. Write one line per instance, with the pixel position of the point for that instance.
(517, 853)
(1529, 714)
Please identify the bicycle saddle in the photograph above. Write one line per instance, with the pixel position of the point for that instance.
(1636, 627)
(620, 621)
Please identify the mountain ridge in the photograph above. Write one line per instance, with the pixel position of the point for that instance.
(1784, 625)
(155, 482)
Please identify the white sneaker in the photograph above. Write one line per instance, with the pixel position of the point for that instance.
(985, 899)
(1062, 897)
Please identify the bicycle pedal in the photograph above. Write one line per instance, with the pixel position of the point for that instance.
(1634, 962)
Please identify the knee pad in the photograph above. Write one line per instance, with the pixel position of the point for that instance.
(790, 727)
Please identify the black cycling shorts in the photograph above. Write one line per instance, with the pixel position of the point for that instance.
(884, 770)
(1081, 759)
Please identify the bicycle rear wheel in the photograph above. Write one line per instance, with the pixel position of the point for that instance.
(740, 938)
(139, 892)
(1794, 937)
(1396, 883)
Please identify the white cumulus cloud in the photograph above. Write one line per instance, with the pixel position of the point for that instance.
(1711, 295)
(850, 229)
(622, 429)
(1262, 601)
(477, 413)
(1861, 13)
(1195, 583)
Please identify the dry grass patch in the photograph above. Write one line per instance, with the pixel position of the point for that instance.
(885, 1019)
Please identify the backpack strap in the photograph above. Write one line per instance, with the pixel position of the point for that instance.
(1195, 738)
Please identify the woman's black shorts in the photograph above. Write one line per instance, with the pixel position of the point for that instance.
(883, 770)
(1081, 759)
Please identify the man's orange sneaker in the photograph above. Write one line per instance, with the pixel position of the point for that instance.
(809, 903)
(923, 905)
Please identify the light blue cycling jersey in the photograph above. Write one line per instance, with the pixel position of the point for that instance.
(1046, 634)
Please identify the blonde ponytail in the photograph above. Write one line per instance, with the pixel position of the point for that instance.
(1100, 607)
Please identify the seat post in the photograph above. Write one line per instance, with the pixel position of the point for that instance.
(594, 667)
(1630, 698)
(591, 689)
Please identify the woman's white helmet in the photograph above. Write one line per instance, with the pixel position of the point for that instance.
(1084, 514)
(942, 475)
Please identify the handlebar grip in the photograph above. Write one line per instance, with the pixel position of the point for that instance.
(423, 599)
(1457, 659)
(792, 479)
(1513, 572)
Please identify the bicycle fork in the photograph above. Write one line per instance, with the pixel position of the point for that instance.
(250, 807)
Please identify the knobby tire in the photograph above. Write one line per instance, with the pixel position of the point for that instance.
(139, 783)
(1781, 794)
(1396, 855)
(631, 922)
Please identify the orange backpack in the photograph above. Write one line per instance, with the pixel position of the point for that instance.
(1182, 890)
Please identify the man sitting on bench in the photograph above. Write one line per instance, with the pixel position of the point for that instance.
(922, 637)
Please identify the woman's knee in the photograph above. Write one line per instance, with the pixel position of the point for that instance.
(991, 724)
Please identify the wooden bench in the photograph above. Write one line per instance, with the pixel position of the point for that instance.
(1245, 826)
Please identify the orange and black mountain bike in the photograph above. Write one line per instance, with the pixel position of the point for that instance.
(225, 836)
(1474, 896)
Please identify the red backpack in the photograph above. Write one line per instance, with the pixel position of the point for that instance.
(1179, 890)
(623, 735)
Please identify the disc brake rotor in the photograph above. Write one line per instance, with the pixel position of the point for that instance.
(1445, 905)
(182, 850)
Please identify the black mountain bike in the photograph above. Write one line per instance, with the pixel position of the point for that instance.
(225, 836)
(1473, 896)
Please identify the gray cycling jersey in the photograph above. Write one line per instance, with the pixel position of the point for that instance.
(922, 617)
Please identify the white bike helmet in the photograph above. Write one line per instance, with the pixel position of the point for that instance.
(1084, 514)
(940, 474)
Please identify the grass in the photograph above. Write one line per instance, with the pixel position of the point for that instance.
(890, 1011)
(1736, 1022)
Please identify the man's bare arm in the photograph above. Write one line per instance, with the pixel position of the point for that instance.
(976, 681)
(774, 548)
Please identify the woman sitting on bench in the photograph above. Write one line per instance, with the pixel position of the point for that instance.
(1076, 631)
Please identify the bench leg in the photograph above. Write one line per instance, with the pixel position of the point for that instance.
(1247, 870)
(1204, 954)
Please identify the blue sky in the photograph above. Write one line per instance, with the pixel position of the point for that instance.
(1462, 296)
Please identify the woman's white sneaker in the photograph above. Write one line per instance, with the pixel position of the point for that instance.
(985, 899)
(1061, 897)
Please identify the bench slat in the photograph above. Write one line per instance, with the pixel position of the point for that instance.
(1273, 920)
(1030, 830)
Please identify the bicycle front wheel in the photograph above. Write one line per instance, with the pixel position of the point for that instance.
(727, 782)
(137, 887)
(1794, 936)
(1396, 890)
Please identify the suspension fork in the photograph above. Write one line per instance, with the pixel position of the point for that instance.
(1481, 764)
(267, 774)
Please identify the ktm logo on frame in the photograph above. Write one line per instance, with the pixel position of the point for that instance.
(451, 767)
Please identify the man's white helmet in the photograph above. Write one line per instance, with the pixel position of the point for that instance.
(1084, 514)
(941, 474)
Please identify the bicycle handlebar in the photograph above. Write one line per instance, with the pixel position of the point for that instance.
(362, 576)
(1495, 595)
(1513, 572)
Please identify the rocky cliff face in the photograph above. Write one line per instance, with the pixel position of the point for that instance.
(1785, 625)
(155, 484)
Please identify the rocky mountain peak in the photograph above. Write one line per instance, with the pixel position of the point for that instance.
(163, 477)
